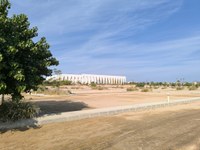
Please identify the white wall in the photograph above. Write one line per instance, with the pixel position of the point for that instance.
(89, 78)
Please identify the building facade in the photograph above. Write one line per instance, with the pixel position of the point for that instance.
(89, 78)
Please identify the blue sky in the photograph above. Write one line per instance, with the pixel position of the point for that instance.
(145, 40)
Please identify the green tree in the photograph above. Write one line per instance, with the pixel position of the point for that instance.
(57, 72)
(23, 62)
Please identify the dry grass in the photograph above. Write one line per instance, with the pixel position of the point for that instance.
(129, 89)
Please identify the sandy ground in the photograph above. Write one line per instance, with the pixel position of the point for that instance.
(84, 97)
(174, 128)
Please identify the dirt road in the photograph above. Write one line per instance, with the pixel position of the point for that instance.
(176, 127)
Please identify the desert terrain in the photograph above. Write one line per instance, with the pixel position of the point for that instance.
(85, 97)
(175, 127)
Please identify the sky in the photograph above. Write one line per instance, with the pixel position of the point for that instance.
(144, 40)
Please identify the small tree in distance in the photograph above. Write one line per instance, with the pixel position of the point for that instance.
(57, 72)
(23, 62)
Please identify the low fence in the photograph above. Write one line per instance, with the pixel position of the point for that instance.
(77, 115)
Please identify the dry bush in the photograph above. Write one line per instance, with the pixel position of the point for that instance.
(54, 91)
(75, 87)
(101, 88)
(156, 87)
(192, 88)
(129, 89)
(146, 90)
(164, 87)
(13, 111)
(179, 88)
(98, 88)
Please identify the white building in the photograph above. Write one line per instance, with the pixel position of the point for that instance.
(89, 78)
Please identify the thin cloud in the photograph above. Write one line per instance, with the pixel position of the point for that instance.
(98, 36)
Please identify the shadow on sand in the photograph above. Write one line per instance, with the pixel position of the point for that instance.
(57, 107)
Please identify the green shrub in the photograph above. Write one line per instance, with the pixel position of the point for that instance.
(93, 85)
(57, 83)
(140, 84)
(188, 84)
(66, 82)
(173, 85)
(13, 111)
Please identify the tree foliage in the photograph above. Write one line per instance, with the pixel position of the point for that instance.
(23, 62)
(57, 72)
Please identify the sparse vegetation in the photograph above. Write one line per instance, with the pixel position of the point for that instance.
(140, 84)
(156, 87)
(180, 88)
(178, 85)
(146, 90)
(75, 87)
(93, 85)
(57, 83)
(53, 91)
(131, 89)
(188, 84)
(41, 88)
(100, 88)
(193, 87)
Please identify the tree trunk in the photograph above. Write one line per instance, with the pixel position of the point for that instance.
(2, 99)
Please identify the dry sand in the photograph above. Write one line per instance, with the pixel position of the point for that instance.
(84, 97)
(174, 128)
